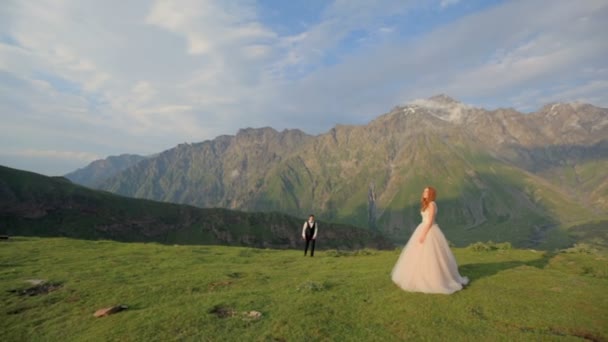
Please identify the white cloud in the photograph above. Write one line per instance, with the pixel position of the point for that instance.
(448, 3)
(151, 74)
(593, 91)
(209, 25)
(481, 56)
(534, 60)
(256, 50)
(338, 20)
(386, 30)
(69, 155)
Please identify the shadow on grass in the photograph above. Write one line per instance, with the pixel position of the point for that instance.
(483, 270)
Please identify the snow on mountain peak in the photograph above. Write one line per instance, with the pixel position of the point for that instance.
(440, 106)
(553, 109)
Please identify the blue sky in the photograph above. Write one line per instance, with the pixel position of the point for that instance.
(81, 80)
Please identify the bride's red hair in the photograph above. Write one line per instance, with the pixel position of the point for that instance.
(424, 202)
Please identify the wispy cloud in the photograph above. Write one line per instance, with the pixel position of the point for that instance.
(209, 26)
(68, 155)
(447, 3)
(154, 74)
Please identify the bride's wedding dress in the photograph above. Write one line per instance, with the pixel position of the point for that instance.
(428, 267)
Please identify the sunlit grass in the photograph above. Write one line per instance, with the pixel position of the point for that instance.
(176, 292)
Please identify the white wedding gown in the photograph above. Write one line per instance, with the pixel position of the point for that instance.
(428, 267)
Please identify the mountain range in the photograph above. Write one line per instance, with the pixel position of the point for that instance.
(503, 175)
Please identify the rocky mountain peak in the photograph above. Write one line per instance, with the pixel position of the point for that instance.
(555, 107)
(102, 169)
(574, 120)
(249, 131)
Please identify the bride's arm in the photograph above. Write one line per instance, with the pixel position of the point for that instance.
(432, 210)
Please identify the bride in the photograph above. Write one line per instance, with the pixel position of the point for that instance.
(426, 263)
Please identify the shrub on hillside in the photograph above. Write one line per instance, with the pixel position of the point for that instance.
(312, 286)
(358, 252)
(489, 246)
(581, 248)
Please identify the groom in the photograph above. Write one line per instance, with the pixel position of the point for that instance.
(309, 233)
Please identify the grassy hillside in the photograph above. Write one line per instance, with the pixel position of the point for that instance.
(586, 180)
(35, 205)
(201, 292)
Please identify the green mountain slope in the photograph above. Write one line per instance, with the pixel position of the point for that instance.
(32, 204)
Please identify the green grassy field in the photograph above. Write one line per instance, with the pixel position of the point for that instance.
(201, 292)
